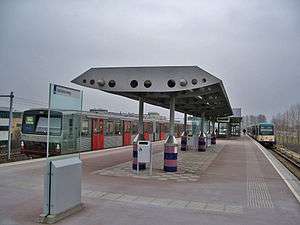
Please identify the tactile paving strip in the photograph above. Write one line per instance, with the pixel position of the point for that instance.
(165, 203)
(258, 194)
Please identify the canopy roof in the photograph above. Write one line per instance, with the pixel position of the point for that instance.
(196, 91)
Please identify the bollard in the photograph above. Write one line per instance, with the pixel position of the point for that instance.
(201, 143)
(213, 139)
(142, 166)
(170, 154)
(184, 141)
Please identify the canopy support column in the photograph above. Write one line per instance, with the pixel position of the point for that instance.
(213, 135)
(202, 136)
(139, 136)
(170, 151)
(183, 146)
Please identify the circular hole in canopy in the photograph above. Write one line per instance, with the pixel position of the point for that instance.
(147, 83)
(112, 83)
(92, 82)
(134, 83)
(171, 83)
(204, 80)
(194, 81)
(183, 82)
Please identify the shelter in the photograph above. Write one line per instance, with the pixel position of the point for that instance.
(188, 89)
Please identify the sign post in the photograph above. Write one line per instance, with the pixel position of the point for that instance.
(58, 204)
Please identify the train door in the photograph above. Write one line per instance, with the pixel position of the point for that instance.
(147, 131)
(127, 133)
(157, 131)
(97, 134)
(162, 134)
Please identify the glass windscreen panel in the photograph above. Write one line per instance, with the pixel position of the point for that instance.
(266, 130)
(35, 124)
(223, 128)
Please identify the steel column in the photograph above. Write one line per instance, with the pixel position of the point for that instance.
(139, 136)
(185, 122)
(141, 117)
(170, 151)
(183, 146)
(202, 136)
(10, 123)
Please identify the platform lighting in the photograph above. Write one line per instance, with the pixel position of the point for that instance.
(101, 82)
(199, 96)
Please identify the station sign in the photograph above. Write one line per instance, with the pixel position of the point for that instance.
(65, 98)
(223, 119)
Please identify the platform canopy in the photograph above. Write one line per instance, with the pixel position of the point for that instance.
(196, 91)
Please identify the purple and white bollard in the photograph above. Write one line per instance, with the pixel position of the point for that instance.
(170, 154)
(201, 143)
(213, 138)
(183, 141)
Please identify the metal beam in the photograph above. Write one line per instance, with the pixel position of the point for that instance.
(172, 115)
(141, 117)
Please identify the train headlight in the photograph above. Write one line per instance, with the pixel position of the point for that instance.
(57, 147)
(22, 144)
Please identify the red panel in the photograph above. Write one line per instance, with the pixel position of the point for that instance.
(98, 134)
(101, 135)
(127, 133)
(127, 138)
(146, 136)
(94, 134)
(162, 135)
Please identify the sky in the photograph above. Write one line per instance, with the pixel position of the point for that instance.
(253, 46)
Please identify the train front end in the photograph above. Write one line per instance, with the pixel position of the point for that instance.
(266, 135)
(34, 133)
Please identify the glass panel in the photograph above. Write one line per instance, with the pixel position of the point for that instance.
(266, 130)
(118, 127)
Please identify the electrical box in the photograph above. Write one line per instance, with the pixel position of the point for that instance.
(62, 185)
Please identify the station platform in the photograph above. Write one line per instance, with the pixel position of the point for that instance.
(232, 183)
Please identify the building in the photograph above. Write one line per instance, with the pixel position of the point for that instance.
(231, 125)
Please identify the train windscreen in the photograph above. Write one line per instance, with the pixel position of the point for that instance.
(37, 124)
(266, 129)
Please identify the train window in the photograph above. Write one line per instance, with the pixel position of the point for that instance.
(109, 128)
(4, 114)
(149, 128)
(118, 127)
(127, 126)
(85, 127)
(134, 127)
(157, 128)
(84, 81)
(266, 129)
(70, 127)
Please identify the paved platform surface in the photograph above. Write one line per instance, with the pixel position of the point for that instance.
(234, 184)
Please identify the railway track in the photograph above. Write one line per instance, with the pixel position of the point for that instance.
(289, 159)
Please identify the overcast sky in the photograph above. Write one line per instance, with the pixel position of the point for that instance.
(253, 46)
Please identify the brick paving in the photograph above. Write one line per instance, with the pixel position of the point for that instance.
(235, 184)
(190, 166)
